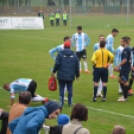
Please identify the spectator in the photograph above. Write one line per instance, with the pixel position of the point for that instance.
(33, 118)
(4, 121)
(57, 16)
(119, 130)
(79, 113)
(67, 65)
(40, 14)
(62, 120)
(51, 18)
(64, 17)
(18, 108)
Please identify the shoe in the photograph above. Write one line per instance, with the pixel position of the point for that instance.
(94, 100)
(99, 95)
(120, 92)
(65, 98)
(113, 76)
(80, 71)
(103, 100)
(86, 71)
(122, 99)
(130, 92)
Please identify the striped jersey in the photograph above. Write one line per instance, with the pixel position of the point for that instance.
(80, 41)
(97, 46)
(19, 85)
(110, 42)
(56, 50)
(117, 58)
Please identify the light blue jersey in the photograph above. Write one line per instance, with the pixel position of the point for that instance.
(97, 46)
(56, 50)
(110, 42)
(19, 85)
(80, 41)
(117, 57)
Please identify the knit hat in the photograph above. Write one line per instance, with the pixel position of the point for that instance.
(67, 44)
(63, 119)
(51, 106)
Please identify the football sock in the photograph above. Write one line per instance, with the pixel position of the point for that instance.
(80, 68)
(95, 91)
(104, 92)
(130, 83)
(110, 68)
(125, 91)
(120, 89)
(85, 65)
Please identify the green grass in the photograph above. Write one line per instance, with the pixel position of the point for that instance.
(24, 53)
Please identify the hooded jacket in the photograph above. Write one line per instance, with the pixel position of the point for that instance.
(30, 122)
(67, 65)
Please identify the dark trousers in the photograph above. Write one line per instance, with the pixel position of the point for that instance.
(57, 22)
(64, 22)
(32, 88)
(52, 22)
(4, 122)
(69, 88)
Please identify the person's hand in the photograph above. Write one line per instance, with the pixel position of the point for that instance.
(117, 69)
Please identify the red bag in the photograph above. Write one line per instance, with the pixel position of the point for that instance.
(52, 83)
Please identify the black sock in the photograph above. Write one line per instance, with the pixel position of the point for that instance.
(121, 85)
(104, 92)
(126, 88)
(130, 83)
(95, 91)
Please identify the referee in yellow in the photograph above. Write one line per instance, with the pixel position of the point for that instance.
(101, 59)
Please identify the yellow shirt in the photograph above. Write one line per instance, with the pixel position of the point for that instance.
(102, 57)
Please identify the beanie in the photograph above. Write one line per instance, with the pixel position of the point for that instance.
(63, 119)
(67, 44)
(51, 106)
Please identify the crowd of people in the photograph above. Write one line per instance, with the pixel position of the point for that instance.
(23, 119)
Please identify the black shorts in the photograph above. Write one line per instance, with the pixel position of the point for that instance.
(124, 75)
(32, 88)
(82, 54)
(100, 73)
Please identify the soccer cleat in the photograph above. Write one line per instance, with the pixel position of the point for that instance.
(65, 98)
(94, 100)
(113, 77)
(120, 92)
(99, 95)
(86, 71)
(80, 71)
(122, 99)
(46, 99)
(130, 92)
(103, 100)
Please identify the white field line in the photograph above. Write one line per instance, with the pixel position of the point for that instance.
(104, 111)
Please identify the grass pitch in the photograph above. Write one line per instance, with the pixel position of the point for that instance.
(24, 53)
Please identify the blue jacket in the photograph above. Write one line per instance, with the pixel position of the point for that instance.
(30, 122)
(67, 65)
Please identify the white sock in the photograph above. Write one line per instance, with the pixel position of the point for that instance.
(37, 98)
(120, 90)
(110, 68)
(85, 65)
(80, 68)
(99, 88)
(65, 89)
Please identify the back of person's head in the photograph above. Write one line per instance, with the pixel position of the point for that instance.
(102, 43)
(79, 28)
(51, 106)
(118, 129)
(115, 30)
(25, 97)
(63, 119)
(6, 86)
(79, 112)
(66, 38)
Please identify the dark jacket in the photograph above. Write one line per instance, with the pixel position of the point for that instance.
(67, 65)
(56, 129)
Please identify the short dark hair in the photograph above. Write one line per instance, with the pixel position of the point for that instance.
(25, 97)
(66, 38)
(79, 27)
(125, 39)
(79, 112)
(102, 43)
(101, 35)
(115, 30)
